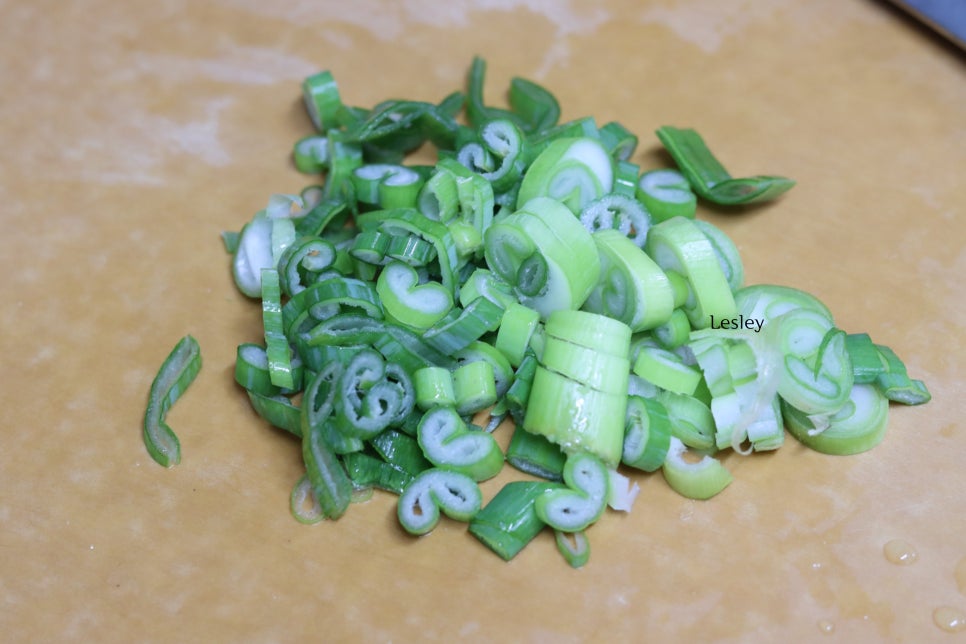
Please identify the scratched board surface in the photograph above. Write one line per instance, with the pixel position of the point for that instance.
(135, 133)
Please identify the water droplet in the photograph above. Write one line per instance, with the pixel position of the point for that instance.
(826, 626)
(949, 619)
(960, 574)
(900, 552)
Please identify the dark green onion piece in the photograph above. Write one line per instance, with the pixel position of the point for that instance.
(896, 385)
(536, 107)
(509, 521)
(476, 110)
(318, 405)
(176, 374)
(277, 347)
(327, 214)
(401, 451)
(230, 239)
(368, 471)
(709, 178)
(330, 483)
(618, 140)
(867, 363)
(535, 454)
(278, 411)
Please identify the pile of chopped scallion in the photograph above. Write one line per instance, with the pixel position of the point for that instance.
(536, 273)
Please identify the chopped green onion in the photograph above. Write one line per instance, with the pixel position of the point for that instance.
(647, 436)
(574, 546)
(400, 450)
(573, 171)
(576, 417)
(678, 245)
(601, 371)
(618, 212)
(311, 154)
(895, 384)
(524, 273)
(536, 107)
(583, 501)
(632, 288)
(322, 100)
(709, 178)
(303, 504)
(415, 305)
(448, 443)
(434, 388)
(455, 494)
(176, 374)
(367, 471)
(475, 387)
(666, 370)
(277, 346)
(859, 426)
(278, 411)
(618, 140)
(666, 194)
(534, 454)
(330, 483)
(251, 370)
(516, 328)
(695, 480)
(509, 521)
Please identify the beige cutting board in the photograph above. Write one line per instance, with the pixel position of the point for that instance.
(133, 133)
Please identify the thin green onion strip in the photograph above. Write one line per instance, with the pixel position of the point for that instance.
(583, 501)
(176, 374)
(708, 177)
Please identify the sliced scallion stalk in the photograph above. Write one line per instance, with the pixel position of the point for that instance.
(666, 194)
(509, 521)
(303, 504)
(695, 480)
(574, 546)
(583, 501)
(534, 454)
(709, 178)
(176, 374)
(448, 443)
(858, 426)
(435, 490)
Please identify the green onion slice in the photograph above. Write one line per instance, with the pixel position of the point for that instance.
(666, 194)
(509, 521)
(176, 374)
(632, 288)
(622, 213)
(695, 480)
(583, 502)
(647, 435)
(678, 245)
(574, 546)
(709, 178)
(435, 490)
(573, 171)
(303, 504)
(858, 426)
(448, 443)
